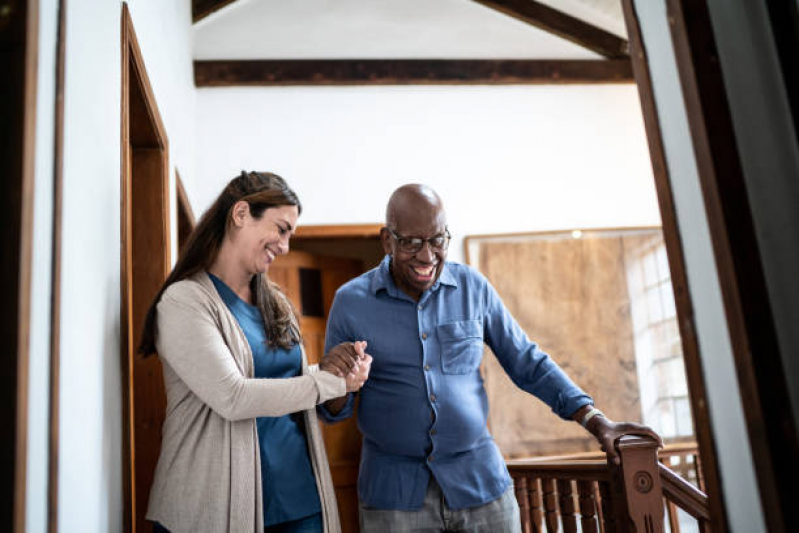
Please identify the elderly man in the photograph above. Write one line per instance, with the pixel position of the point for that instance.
(428, 461)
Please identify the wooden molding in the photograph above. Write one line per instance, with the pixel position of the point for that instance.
(183, 200)
(343, 231)
(19, 42)
(202, 8)
(565, 26)
(409, 72)
(679, 279)
(143, 140)
(55, 298)
(764, 392)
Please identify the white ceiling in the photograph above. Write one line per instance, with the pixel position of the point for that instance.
(389, 29)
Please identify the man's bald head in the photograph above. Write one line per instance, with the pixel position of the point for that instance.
(409, 200)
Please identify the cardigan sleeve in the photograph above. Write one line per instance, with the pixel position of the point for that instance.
(189, 340)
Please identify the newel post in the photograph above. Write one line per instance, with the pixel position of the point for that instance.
(636, 483)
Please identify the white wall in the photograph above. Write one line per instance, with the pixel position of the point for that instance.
(734, 455)
(504, 159)
(90, 440)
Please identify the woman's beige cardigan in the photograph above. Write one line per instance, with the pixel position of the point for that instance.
(208, 477)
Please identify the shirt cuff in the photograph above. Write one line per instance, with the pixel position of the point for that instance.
(345, 412)
(569, 405)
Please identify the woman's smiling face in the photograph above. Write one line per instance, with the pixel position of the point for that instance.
(260, 240)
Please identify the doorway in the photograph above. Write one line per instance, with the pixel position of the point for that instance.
(145, 263)
(322, 258)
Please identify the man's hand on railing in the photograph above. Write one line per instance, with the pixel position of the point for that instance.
(607, 432)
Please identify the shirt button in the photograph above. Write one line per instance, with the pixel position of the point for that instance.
(427, 368)
(419, 308)
(433, 431)
(424, 335)
(429, 458)
(432, 397)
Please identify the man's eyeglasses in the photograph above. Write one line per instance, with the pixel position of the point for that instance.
(411, 245)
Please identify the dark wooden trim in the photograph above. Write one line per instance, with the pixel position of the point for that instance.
(131, 58)
(183, 200)
(186, 220)
(784, 18)
(126, 341)
(559, 23)
(21, 183)
(756, 350)
(202, 8)
(674, 250)
(410, 72)
(55, 286)
(341, 231)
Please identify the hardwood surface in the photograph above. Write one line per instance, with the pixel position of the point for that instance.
(570, 296)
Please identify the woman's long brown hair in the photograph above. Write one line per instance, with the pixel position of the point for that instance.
(261, 190)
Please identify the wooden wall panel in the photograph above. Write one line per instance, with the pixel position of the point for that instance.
(570, 296)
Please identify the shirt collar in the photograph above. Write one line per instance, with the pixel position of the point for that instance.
(383, 280)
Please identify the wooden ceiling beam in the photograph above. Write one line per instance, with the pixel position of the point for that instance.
(202, 8)
(565, 26)
(410, 72)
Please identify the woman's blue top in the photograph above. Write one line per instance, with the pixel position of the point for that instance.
(287, 480)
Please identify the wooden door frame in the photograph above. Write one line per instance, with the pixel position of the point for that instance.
(20, 46)
(674, 249)
(131, 55)
(756, 350)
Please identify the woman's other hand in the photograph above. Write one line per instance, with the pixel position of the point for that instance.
(359, 374)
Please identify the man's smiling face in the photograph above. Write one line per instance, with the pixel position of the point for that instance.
(414, 214)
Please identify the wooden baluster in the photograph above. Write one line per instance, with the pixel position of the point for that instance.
(608, 512)
(536, 505)
(520, 484)
(550, 505)
(671, 509)
(568, 509)
(700, 478)
(674, 517)
(585, 490)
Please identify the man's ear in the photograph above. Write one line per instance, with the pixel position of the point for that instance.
(385, 240)
(240, 213)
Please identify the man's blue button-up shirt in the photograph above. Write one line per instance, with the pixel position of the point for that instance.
(424, 409)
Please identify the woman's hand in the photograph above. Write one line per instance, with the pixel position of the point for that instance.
(342, 358)
(359, 374)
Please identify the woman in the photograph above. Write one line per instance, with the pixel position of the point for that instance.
(241, 449)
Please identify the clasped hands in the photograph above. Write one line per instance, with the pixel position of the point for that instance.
(350, 361)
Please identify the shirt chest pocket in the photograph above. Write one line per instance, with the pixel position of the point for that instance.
(461, 346)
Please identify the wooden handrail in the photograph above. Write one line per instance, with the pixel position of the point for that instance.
(684, 495)
(603, 496)
(677, 448)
